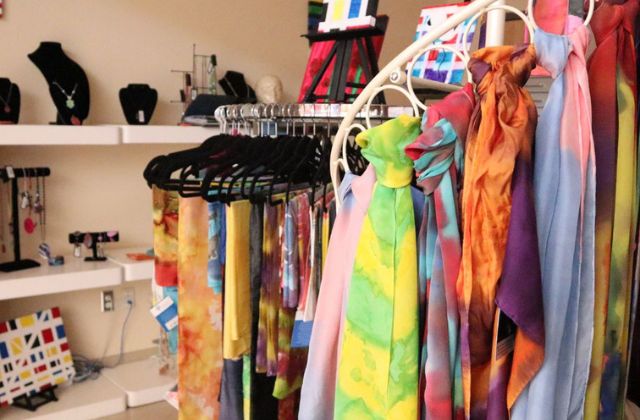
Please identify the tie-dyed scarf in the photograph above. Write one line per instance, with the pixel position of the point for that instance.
(499, 281)
(564, 182)
(267, 345)
(378, 361)
(438, 160)
(165, 237)
(612, 77)
(217, 245)
(200, 318)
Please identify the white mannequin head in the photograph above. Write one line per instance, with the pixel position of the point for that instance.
(269, 90)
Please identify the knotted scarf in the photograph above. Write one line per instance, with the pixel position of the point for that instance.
(502, 329)
(438, 160)
(378, 362)
(612, 77)
(564, 183)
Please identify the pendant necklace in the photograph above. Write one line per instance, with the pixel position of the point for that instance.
(69, 102)
(7, 108)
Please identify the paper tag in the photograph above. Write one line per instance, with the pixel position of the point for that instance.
(141, 116)
(10, 173)
(166, 312)
(301, 334)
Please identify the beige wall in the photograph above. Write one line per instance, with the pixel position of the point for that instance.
(123, 41)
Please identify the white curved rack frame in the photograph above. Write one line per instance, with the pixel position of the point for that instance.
(495, 29)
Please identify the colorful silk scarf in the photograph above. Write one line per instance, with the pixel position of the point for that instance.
(165, 237)
(565, 211)
(318, 386)
(200, 318)
(267, 345)
(378, 361)
(499, 280)
(612, 77)
(290, 281)
(237, 290)
(303, 221)
(217, 245)
(438, 159)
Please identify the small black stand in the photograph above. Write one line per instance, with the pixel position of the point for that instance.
(138, 102)
(97, 238)
(12, 175)
(10, 106)
(342, 50)
(34, 401)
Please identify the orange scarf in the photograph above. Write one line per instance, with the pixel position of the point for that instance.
(496, 367)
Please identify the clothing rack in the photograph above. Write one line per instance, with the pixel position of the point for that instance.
(393, 77)
(249, 117)
(9, 174)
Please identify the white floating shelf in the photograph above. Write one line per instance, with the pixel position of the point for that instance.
(58, 135)
(75, 274)
(140, 381)
(133, 270)
(149, 134)
(91, 399)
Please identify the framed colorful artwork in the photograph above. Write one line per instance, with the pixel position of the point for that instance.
(439, 65)
(347, 14)
(34, 355)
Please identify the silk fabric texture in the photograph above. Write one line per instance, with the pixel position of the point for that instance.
(378, 360)
(165, 237)
(498, 222)
(564, 191)
(438, 160)
(318, 385)
(612, 78)
(200, 318)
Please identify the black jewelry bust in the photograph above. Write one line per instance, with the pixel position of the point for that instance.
(9, 102)
(68, 83)
(138, 102)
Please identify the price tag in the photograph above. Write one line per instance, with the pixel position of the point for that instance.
(10, 173)
(141, 116)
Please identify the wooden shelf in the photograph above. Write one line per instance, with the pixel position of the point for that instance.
(133, 270)
(140, 381)
(58, 135)
(75, 274)
(90, 399)
(102, 135)
(154, 134)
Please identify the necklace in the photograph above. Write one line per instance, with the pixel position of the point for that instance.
(70, 102)
(7, 108)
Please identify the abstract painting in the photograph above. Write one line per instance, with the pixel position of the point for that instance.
(34, 355)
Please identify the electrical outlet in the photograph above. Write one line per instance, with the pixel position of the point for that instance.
(130, 296)
(106, 301)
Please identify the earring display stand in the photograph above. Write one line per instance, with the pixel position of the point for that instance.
(9, 174)
(97, 238)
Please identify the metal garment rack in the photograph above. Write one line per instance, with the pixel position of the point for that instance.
(304, 119)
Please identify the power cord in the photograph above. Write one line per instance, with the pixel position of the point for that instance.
(90, 368)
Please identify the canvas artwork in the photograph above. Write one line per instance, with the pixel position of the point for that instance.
(439, 65)
(34, 355)
(346, 14)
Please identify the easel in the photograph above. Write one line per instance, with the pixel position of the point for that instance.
(34, 401)
(341, 51)
(9, 174)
